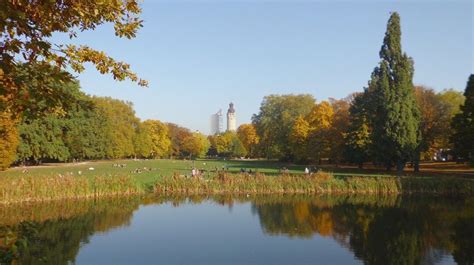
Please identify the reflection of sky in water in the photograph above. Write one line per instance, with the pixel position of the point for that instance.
(206, 233)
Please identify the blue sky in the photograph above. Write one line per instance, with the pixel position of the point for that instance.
(200, 55)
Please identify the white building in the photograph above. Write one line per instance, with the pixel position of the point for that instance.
(216, 123)
(231, 121)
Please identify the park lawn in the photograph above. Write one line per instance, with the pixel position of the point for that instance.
(159, 168)
(62, 181)
(169, 167)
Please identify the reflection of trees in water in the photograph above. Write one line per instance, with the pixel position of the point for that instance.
(57, 239)
(414, 230)
(463, 238)
(387, 230)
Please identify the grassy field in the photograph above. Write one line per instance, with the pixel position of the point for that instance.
(149, 171)
(172, 177)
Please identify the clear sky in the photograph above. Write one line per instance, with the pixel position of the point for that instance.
(200, 55)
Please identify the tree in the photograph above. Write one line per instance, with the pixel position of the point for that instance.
(396, 117)
(178, 136)
(338, 129)
(435, 115)
(26, 28)
(275, 120)
(120, 126)
(320, 121)
(248, 136)
(452, 100)
(28, 58)
(463, 125)
(43, 139)
(152, 140)
(8, 139)
(238, 149)
(357, 138)
(72, 130)
(196, 145)
(83, 125)
(298, 139)
(227, 144)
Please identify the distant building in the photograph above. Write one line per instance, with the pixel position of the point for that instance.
(216, 123)
(231, 121)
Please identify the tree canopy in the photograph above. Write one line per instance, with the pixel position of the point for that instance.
(463, 125)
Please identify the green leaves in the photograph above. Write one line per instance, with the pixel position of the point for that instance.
(463, 125)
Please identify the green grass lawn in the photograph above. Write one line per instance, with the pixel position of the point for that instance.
(63, 181)
(160, 167)
(167, 167)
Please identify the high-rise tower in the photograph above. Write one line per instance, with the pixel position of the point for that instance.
(231, 121)
(216, 123)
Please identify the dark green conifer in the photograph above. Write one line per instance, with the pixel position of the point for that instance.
(395, 115)
(463, 125)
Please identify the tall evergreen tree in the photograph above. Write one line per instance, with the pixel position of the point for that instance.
(395, 115)
(463, 125)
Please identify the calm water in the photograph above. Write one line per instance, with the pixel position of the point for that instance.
(229, 230)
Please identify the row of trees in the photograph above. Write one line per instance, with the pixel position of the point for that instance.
(390, 123)
(101, 128)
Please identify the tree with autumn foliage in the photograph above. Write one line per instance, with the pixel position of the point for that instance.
(310, 137)
(28, 55)
(227, 144)
(275, 120)
(248, 136)
(320, 120)
(338, 129)
(9, 140)
(298, 139)
(195, 145)
(435, 117)
(152, 140)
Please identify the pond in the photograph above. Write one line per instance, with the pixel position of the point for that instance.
(241, 230)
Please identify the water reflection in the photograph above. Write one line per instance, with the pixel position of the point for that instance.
(410, 230)
(52, 233)
(377, 230)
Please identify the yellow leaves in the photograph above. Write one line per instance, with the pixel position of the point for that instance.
(248, 136)
(30, 25)
(321, 116)
(300, 131)
(103, 63)
(8, 139)
(159, 142)
(196, 144)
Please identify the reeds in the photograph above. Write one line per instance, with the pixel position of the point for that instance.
(46, 188)
(319, 183)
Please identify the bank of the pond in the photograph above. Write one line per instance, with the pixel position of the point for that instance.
(320, 183)
(47, 188)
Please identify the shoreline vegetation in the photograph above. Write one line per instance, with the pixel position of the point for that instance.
(26, 189)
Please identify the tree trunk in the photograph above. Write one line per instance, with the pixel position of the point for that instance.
(400, 167)
(416, 162)
(416, 165)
